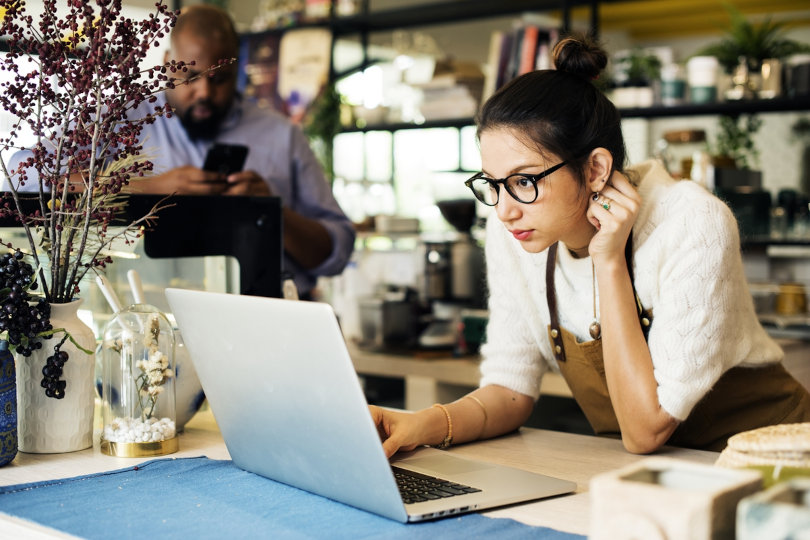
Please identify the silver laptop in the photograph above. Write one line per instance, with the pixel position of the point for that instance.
(290, 407)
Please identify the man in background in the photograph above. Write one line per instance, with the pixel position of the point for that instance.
(318, 237)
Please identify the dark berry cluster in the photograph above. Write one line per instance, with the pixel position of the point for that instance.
(20, 318)
(86, 60)
(51, 371)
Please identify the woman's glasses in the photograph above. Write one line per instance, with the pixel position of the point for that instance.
(525, 188)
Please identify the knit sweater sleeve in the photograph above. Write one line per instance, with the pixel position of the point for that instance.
(511, 355)
(703, 317)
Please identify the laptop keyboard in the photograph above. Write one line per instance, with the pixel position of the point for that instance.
(415, 487)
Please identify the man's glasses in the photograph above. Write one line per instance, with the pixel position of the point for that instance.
(525, 188)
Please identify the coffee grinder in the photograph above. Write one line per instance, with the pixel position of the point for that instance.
(454, 275)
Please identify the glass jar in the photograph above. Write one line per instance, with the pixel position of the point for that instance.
(138, 384)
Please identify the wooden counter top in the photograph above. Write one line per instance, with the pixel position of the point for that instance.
(573, 457)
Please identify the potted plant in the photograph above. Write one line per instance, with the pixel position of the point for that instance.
(322, 124)
(746, 46)
(734, 145)
(752, 42)
(71, 79)
(735, 155)
(635, 74)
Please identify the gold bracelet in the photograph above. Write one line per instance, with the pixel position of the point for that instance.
(448, 440)
(484, 409)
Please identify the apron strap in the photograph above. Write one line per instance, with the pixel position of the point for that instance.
(557, 347)
(556, 336)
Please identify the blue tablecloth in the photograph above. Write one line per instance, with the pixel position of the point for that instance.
(205, 498)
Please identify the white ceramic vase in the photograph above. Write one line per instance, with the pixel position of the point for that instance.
(49, 425)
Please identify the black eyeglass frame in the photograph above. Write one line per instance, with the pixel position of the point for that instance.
(533, 178)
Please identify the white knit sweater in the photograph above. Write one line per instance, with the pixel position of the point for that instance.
(688, 271)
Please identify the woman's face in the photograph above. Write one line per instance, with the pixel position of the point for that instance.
(559, 211)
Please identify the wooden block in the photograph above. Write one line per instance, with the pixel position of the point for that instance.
(782, 511)
(665, 498)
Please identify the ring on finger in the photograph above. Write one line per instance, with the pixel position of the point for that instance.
(605, 203)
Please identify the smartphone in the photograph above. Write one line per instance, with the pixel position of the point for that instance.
(225, 158)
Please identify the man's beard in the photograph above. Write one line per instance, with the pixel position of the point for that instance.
(207, 128)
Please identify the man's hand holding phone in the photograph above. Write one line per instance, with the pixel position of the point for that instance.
(184, 180)
(246, 183)
(221, 174)
(225, 159)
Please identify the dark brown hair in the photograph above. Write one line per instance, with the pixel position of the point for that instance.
(560, 110)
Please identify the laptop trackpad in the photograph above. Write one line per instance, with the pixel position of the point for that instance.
(442, 465)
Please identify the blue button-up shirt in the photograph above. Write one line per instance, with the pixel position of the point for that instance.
(278, 152)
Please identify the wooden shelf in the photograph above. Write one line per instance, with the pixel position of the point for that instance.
(782, 104)
(445, 12)
(450, 122)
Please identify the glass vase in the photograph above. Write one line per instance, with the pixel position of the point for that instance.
(138, 384)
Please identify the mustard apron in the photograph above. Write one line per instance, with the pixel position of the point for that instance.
(743, 398)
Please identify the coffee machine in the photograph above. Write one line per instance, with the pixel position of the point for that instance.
(453, 275)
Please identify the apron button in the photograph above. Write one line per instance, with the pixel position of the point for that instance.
(645, 321)
(554, 333)
(557, 349)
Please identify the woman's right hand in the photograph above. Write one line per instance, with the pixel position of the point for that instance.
(398, 430)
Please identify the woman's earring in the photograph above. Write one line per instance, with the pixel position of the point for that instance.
(596, 195)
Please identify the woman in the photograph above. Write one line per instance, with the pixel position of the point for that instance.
(628, 283)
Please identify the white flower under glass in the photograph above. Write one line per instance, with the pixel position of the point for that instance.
(138, 391)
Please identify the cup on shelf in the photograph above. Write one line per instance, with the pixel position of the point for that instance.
(791, 299)
(702, 77)
(797, 75)
(771, 79)
(673, 85)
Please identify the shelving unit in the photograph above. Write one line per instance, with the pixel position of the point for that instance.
(367, 22)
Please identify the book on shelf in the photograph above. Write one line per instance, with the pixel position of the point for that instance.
(525, 48)
(528, 49)
(491, 67)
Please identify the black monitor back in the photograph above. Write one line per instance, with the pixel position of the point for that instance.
(247, 228)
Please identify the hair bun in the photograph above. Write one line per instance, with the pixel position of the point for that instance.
(580, 55)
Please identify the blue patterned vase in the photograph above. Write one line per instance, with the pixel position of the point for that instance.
(8, 405)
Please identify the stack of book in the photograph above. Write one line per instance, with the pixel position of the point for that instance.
(454, 91)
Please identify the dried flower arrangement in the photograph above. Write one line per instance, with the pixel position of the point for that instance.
(154, 369)
(71, 80)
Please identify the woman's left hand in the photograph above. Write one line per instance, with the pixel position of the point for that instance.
(613, 214)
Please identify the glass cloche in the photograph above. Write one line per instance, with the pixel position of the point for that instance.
(138, 384)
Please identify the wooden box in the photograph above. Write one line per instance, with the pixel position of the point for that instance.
(783, 511)
(665, 498)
